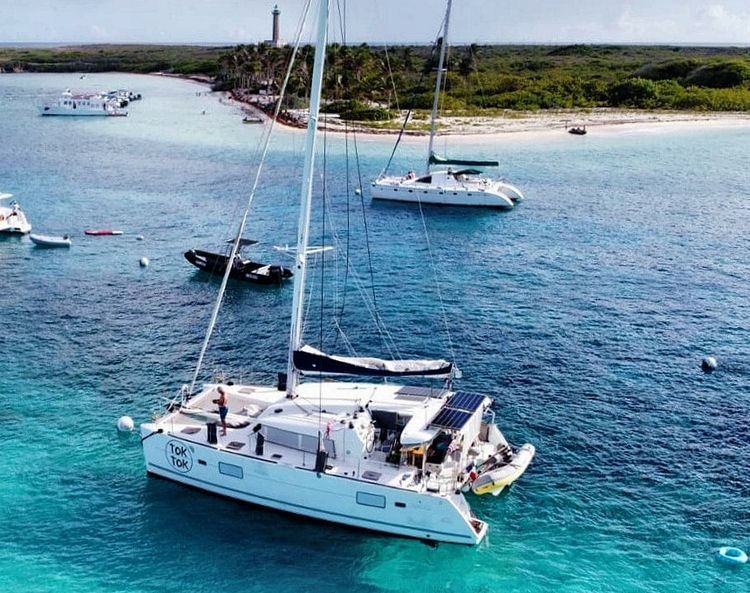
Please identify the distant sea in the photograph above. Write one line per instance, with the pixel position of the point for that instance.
(584, 312)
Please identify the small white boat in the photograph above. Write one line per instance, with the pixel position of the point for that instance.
(495, 477)
(51, 240)
(12, 218)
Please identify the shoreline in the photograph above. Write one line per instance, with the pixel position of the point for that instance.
(608, 120)
(512, 125)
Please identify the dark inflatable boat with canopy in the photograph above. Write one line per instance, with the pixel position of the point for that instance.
(242, 269)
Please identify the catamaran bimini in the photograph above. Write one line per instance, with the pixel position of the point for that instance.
(386, 457)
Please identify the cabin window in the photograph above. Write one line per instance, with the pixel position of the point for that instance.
(371, 500)
(229, 469)
(426, 179)
(301, 442)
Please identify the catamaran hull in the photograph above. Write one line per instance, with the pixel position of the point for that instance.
(302, 491)
(447, 197)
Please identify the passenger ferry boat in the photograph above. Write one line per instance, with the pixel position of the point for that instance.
(88, 104)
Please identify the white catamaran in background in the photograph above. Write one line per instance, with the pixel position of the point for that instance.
(462, 186)
(386, 457)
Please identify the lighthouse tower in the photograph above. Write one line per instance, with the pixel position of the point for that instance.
(275, 41)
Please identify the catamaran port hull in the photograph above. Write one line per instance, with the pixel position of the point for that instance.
(303, 491)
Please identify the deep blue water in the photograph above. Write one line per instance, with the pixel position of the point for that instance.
(585, 312)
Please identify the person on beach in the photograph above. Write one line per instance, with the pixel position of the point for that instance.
(223, 409)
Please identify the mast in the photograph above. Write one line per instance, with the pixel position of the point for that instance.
(298, 301)
(438, 83)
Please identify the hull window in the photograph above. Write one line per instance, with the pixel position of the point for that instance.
(371, 500)
(229, 469)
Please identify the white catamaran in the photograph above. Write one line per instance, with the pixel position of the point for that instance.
(450, 186)
(386, 457)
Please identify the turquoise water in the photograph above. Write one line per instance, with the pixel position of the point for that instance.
(585, 312)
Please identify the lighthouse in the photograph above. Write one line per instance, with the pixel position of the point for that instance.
(275, 41)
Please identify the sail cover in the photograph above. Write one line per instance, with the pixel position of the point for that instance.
(308, 358)
(437, 160)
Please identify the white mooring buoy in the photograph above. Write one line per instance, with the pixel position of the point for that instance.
(144, 262)
(708, 364)
(125, 424)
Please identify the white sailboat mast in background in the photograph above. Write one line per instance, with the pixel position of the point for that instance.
(438, 84)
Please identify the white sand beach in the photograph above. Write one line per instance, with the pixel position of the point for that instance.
(511, 124)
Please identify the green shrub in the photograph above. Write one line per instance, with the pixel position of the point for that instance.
(720, 76)
(633, 92)
(369, 114)
(672, 69)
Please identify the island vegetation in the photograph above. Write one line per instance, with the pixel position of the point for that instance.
(372, 83)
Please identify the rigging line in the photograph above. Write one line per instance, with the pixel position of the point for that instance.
(363, 291)
(342, 25)
(378, 318)
(401, 131)
(437, 284)
(243, 221)
(390, 75)
(323, 232)
(340, 315)
(321, 446)
(444, 94)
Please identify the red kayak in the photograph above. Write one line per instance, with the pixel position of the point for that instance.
(101, 232)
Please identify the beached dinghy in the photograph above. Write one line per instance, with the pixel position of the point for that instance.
(50, 240)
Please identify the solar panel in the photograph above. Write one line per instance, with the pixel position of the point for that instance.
(465, 400)
(450, 418)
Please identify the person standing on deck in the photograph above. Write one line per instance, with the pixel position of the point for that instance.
(223, 402)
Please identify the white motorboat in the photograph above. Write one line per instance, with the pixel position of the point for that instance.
(12, 218)
(84, 104)
(50, 240)
(448, 186)
(381, 456)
